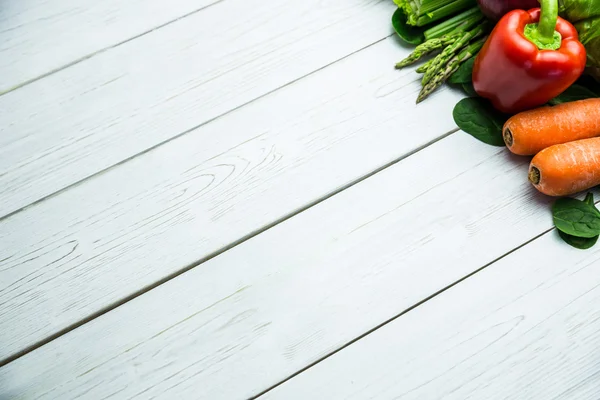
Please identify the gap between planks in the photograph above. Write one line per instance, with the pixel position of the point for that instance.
(406, 311)
(220, 251)
(414, 305)
(102, 50)
(383, 83)
(187, 131)
(126, 113)
(521, 329)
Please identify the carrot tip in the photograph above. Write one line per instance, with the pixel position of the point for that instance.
(508, 137)
(534, 175)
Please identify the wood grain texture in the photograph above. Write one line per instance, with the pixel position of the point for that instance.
(41, 36)
(97, 243)
(527, 327)
(269, 307)
(86, 118)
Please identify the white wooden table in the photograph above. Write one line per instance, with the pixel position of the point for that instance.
(230, 199)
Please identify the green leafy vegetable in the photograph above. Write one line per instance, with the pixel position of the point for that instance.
(409, 34)
(590, 84)
(580, 242)
(573, 93)
(477, 117)
(577, 10)
(589, 199)
(464, 73)
(576, 217)
(469, 89)
(595, 72)
(585, 15)
(589, 35)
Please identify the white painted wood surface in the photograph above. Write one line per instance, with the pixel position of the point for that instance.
(261, 311)
(86, 248)
(38, 37)
(101, 111)
(220, 124)
(524, 328)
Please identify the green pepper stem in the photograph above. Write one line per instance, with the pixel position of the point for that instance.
(548, 18)
(544, 34)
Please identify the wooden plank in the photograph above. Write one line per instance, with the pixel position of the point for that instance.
(38, 37)
(99, 242)
(84, 119)
(526, 327)
(269, 307)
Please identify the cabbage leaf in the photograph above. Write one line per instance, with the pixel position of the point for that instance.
(585, 15)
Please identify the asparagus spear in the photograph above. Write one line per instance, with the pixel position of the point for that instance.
(438, 40)
(428, 47)
(439, 62)
(423, 68)
(442, 75)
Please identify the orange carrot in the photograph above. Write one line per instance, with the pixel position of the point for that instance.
(531, 131)
(567, 168)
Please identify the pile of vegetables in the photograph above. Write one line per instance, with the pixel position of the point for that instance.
(531, 70)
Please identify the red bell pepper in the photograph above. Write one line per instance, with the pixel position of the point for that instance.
(530, 57)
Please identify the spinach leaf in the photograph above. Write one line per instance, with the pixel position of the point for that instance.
(410, 34)
(464, 73)
(589, 83)
(477, 117)
(573, 93)
(576, 217)
(469, 89)
(589, 199)
(579, 242)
